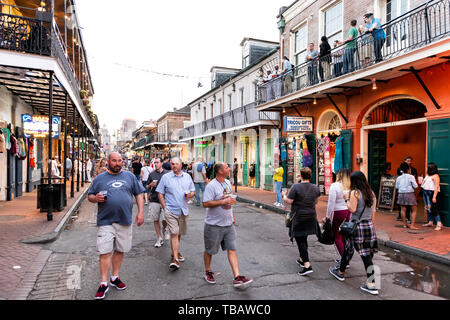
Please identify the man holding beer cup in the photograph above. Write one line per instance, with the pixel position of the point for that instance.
(219, 224)
(174, 191)
(113, 191)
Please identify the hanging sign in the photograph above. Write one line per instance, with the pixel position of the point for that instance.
(200, 143)
(298, 124)
(37, 126)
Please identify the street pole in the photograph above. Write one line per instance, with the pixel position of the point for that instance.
(65, 145)
(49, 171)
(83, 169)
(72, 182)
(78, 154)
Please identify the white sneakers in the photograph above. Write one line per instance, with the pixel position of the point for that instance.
(159, 243)
(277, 204)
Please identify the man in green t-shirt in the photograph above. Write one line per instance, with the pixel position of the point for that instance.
(350, 48)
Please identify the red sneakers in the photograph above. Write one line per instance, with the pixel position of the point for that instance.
(209, 277)
(118, 284)
(101, 292)
(241, 282)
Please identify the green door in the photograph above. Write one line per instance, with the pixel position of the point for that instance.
(311, 142)
(245, 163)
(257, 163)
(438, 142)
(268, 183)
(377, 158)
(347, 148)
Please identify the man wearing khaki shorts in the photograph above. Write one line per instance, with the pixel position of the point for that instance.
(113, 191)
(174, 190)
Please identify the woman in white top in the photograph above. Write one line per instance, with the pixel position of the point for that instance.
(431, 189)
(337, 210)
(145, 172)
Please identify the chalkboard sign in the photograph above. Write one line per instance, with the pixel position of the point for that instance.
(386, 196)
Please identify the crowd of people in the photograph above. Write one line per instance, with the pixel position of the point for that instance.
(169, 185)
(345, 57)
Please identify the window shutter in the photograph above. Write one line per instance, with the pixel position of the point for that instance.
(347, 148)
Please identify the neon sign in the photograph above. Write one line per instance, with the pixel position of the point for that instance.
(37, 126)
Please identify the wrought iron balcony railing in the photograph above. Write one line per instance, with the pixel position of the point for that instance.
(417, 28)
(38, 36)
(231, 119)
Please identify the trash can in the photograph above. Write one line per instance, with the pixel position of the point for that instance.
(57, 195)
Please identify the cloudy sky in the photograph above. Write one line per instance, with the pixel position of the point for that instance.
(126, 40)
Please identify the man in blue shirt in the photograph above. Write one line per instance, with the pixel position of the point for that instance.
(373, 25)
(174, 191)
(113, 191)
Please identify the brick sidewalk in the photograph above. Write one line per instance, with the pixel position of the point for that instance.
(437, 242)
(20, 220)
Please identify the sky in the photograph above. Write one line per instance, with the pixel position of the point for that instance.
(125, 40)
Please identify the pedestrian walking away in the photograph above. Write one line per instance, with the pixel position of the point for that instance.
(303, 197)
(200, 179)
(431, 195)
(219, 230)
(174, 191)
(406, 185)
(166, 164)
(145, 172)
(136, 166)
(362, 205)
(155, 209)
(113, 191)
(337, 210)
(235, 174)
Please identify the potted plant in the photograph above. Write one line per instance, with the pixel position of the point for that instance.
(84, 94)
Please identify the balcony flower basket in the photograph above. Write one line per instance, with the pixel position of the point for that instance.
(86, 102)
(84, 94)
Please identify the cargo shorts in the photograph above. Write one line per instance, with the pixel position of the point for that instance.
(114, 237)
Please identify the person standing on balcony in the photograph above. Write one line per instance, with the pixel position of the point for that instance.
(200, 179)
(261, 88)
(288, 76)
(277, 82)
(366, 50)
(338, 59)
(373, 26)
(350, 48)
(324, 59)
(269, 85)
(311, 58)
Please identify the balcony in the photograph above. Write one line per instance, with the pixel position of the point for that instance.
(243, 117)
(30, 31)
(421, 27)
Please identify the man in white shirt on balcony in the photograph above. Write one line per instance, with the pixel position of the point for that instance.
(312, 65)
(269, 85)
(277, 83)
(287, 76)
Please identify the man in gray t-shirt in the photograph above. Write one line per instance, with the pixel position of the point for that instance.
(219, 224)
(113, 191)
(199, 175)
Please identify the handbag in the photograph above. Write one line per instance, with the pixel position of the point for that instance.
(349, 228)
(327, 236)
(288, 219)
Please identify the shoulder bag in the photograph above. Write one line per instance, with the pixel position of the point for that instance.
(349, 228)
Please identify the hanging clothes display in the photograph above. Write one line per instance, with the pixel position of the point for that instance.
(13, 148)
(339, 157)
(7, 135)
(32, 160)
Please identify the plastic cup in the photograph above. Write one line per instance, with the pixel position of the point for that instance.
(104, 194)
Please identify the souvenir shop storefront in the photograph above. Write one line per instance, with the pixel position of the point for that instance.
(323, 151)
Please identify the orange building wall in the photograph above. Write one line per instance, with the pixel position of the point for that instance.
(356, 103)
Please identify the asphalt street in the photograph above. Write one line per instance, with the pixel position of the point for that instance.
(265, 254)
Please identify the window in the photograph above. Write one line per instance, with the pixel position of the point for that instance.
(229, 102)
(241, 97)
(220, 107)
(333, 23)
(212, 110)
(300, 51)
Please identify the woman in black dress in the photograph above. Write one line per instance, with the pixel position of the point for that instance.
(303, 198)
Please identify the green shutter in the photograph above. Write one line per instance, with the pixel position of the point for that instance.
(311, 141)
(268, 182)
(377, 158)
(257, 184)
(438, 142)
(347, 148)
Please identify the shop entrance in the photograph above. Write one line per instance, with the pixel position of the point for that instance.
(394, 130)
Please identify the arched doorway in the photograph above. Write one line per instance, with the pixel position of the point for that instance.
(393, 130)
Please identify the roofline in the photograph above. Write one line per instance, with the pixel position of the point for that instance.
(218, 67)
(259, 40)
(271, 52)
(174, 113)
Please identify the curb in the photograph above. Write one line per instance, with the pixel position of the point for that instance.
(50, 237)
(433, 257)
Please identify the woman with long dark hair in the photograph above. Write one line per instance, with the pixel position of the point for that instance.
(362, 205)
(324, 59)
(431, 189)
